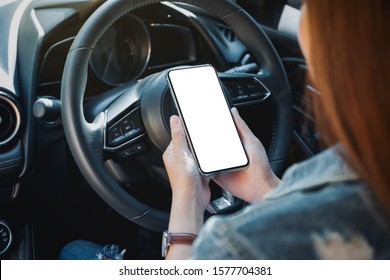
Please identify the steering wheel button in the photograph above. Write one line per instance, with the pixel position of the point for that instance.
(238, 89)
(127, 153)
(242, 98)
(140, 147)
(116, 132)
(255, 96)
(117, 140)
(253, 88)
(131, 133)
(126, 122)
(127, 128)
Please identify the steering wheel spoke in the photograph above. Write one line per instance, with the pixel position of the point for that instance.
(124, 132)
(245, 89)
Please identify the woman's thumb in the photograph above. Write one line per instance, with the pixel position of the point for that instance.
(177, 133)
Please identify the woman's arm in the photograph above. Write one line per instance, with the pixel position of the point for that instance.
(190, 190)
(191, 193)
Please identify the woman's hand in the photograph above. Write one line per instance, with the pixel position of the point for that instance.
(191, 193)
(249, 184)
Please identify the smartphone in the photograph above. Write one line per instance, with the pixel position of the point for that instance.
(203, 107)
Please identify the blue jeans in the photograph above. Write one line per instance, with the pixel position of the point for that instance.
(87, 250)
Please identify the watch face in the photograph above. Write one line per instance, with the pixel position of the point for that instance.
(164, 244)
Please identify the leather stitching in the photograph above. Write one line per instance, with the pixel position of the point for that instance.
(10, 166)
(273, 139)
(4, 162)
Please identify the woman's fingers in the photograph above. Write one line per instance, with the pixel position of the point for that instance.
(246, 134)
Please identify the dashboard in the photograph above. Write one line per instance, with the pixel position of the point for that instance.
(143, 42)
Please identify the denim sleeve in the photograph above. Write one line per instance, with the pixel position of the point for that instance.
(322, 210)
(216, 244)
(265, 231)
(87, 250)
(331, 222)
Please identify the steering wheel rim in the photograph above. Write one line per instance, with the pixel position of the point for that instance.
(86, 139)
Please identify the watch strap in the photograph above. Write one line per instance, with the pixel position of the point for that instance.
(181, 238)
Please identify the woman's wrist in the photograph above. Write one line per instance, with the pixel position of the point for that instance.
(186, 217)
(271, 184)
(187, 213)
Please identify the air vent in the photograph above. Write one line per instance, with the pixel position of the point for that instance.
(9, 119)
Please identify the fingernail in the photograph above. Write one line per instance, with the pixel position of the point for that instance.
(174, 120)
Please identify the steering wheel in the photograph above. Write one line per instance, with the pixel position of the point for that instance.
(138, 118)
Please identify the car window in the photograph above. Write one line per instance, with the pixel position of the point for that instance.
(289, 20)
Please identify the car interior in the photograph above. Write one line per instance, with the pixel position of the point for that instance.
(85, 107)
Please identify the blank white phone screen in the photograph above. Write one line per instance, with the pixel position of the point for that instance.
(207, 118)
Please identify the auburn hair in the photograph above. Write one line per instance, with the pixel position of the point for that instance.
(350, 67)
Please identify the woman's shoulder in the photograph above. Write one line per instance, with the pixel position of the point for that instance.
(333, 218)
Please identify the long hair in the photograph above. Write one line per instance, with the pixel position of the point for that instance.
(350, 65)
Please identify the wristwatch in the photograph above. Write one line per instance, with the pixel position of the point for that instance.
(175, 238)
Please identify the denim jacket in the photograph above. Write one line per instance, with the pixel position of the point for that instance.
(321, 210)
